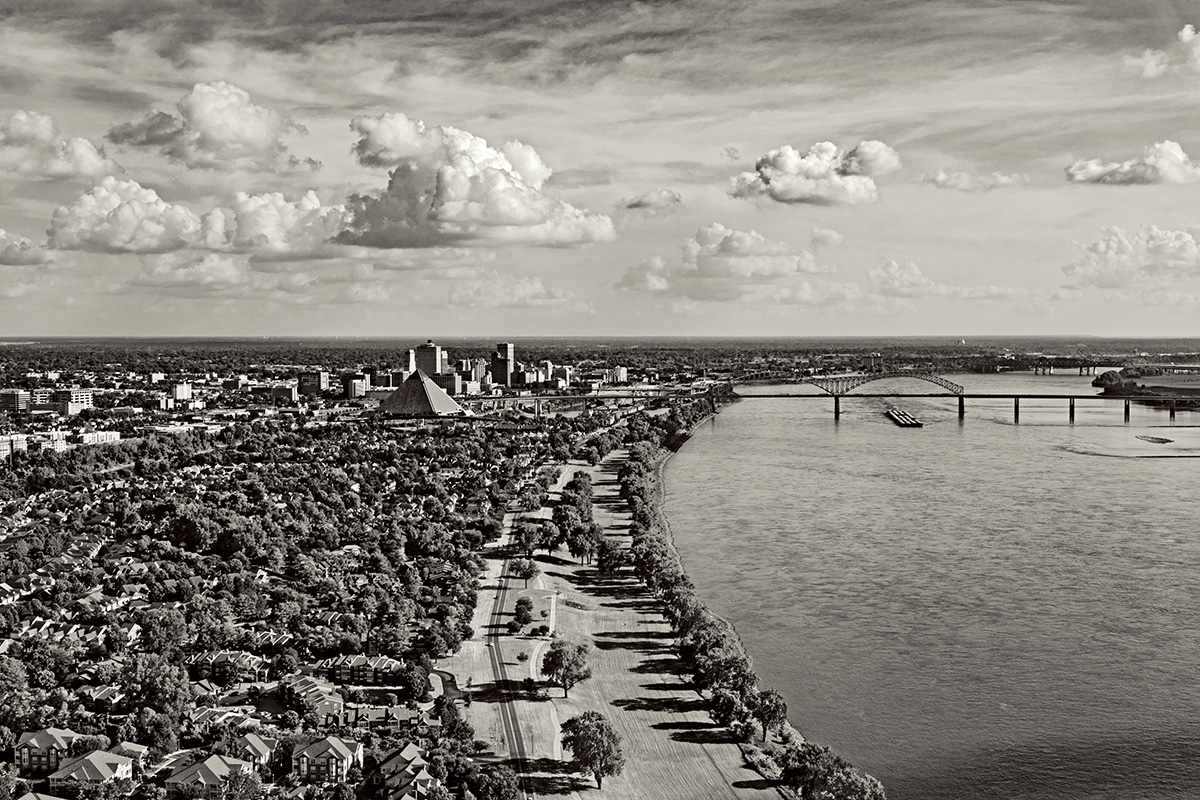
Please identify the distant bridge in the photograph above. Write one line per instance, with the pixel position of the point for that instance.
(840, 385)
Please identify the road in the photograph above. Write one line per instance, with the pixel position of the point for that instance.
(508, 714)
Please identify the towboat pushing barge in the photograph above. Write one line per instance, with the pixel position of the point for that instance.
(903, 418)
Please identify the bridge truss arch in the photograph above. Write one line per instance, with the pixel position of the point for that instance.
(841, 385)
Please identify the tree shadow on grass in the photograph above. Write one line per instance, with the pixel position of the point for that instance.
(666, 705)
(639, 634)
(647, 647)
(709, 736)
(667, 687)
(498, 691)
(657, 666)
(677, 725)
(761, 784)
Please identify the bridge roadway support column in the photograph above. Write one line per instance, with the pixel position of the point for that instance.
(1016, 410)
(1172, 412)
(1071, 410)
(1126, 411)
(837, 407)
(962, 407)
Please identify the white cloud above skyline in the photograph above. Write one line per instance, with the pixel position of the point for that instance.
(209, 102)
(825, 175)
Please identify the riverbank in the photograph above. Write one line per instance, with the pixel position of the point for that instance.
(788, 761)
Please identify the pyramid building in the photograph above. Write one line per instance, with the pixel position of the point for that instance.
(419, 396)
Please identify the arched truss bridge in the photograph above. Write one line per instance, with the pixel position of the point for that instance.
(841, 385)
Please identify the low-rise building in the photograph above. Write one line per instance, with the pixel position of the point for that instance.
(327, 760)
(207, 778)
(92, 769)
(42, 752)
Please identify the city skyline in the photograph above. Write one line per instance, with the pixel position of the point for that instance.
(746, 169)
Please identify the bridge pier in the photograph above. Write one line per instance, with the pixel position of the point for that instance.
(1071, 410)
(1126, 412)
(962, 407)
(1016, 411)
(837, 407)
(1172, 412)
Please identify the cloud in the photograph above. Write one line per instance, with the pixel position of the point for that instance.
(30, 144)
(1151, 63)
(1151, 256)
(720, 263)
(966, 182)
(1157, 63)
(655, 199)
(1163, 162)
(894, 279)
(123, 217)
(218, 127)
(826, 237)
(449, 185)
(494, 290)
(17, 251)
(193, 275)
(270, 226)
(825, 175)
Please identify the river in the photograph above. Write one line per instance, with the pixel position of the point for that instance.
(974, 609)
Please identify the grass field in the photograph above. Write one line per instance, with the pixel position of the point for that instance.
(673, 750)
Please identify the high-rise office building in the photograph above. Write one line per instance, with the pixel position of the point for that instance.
(15, 401)
(313, 382)
(504, 361)
(409, 365)
(429, 358)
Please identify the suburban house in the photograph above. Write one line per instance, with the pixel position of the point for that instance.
(41, 752)
(404, 775)
(327, 760)
(206, 778)
(230, 666)
(93, 769)
(258, 750)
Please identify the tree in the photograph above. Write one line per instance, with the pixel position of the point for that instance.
(16, 699)
(525, 568)
(610, 557)
(244, 785)
(525, 537)
(565, 663)
(769, 709)
(524, 611)
(495, 783)
(595, 746)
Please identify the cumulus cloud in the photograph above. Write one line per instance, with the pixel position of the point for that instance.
(720, 263)
(449, 185)
(1121, 259)
(1156, 63)
(31, 144)
(894, 279)
(966, 182)
(825, 175)
(271, 226)
(494, 290)
(17, 251)
(1163, 162)
(1151, 63)
(123, 217)
(218, 127)
(826, 237)
(655, 199)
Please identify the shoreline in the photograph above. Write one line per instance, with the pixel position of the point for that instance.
(660, 512)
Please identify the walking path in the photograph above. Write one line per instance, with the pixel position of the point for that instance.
(673, 751)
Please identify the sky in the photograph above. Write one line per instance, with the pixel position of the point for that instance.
(553, 167)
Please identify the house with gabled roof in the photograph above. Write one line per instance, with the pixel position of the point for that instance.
(207, 778)
(258, 750)
(327, 760)
(41, 752)
(92, 769)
